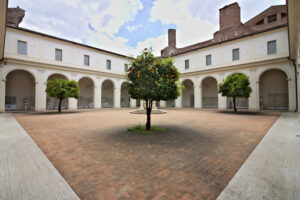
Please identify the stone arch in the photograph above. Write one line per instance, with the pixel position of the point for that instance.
(86, 96)
(20, 90)
(188, 99)
(107, 93)
(273, 89)
(241, 103)
(57, 75)
(209, 86)
(283, 69)
(52, 103)
(125, 98)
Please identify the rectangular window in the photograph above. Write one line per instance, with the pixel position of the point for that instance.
(208, 60)
(22, 47)
(108, 64)
(235, 54)
(58, 54)
(125, 67)
(272, 47)
(186, 64)
(86, 60)
(272, 18)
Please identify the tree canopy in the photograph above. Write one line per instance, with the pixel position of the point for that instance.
(61, 89)
(235, 85)
(152, 79)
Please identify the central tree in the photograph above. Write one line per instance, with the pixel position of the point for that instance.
(152, 79)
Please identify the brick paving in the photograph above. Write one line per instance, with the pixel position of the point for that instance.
(194, 159)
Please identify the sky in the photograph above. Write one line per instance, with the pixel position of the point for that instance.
(129, 26)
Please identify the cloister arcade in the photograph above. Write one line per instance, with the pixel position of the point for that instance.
(20, 90)
(24, 89)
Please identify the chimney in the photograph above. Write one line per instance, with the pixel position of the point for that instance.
(230, 16)
(15, 16)
(172, 37)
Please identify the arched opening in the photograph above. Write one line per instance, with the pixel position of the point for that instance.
(273, 90)
(51, 102)
(107, 99)
(170, 103)
(209, 93)
(86, 96)
(20, 91)
(125, 99)
(188, 94)
(241, 103)
(138, 103)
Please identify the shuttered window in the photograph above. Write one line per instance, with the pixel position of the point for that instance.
(208, 60)
(272, 47)
(186, 64)
(86, 60)
(22, 47)
(235, 54)
(108, 64)
(58, 54)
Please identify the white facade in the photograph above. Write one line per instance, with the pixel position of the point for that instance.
(40, 62)
(253, 62)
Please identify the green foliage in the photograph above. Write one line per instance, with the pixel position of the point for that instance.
(153, 79)
(62, 88)
(235, 85)
(142, 130)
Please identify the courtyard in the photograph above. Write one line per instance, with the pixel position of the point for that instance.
(194, 159)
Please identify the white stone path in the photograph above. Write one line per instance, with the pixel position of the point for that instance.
(25, 172)
(272, 171)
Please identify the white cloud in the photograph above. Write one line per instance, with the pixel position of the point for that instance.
(190, 29)
(133, 28)
(157, 43)
(117, 13)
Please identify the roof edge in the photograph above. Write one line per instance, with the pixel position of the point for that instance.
(65, 40)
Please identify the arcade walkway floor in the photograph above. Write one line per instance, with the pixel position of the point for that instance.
(194, 159)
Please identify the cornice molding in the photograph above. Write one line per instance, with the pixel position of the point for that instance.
(41, 65)
(235, 67)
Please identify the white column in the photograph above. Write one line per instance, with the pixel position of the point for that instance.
(72, 103)
(40, 92)
(97, 96)
(222, 101)
(163, 104)
(132, 103)
(254, 96)
(292, 94)
(2, 94)
(117, 97)
(198, 96)
(178, 101)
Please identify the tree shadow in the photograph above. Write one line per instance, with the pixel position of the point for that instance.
(174, 137)
(247, 112)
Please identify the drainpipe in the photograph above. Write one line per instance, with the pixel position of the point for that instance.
(296, 81)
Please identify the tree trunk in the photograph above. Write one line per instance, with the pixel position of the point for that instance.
(148, 109)
(59, 105)
(234, 104)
